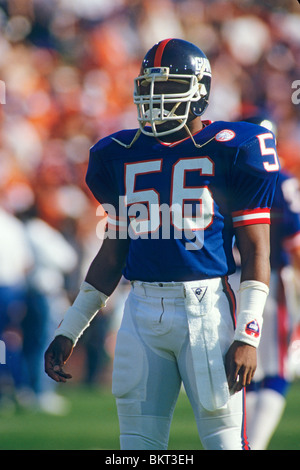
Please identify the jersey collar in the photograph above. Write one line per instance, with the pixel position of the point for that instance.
(173, 144)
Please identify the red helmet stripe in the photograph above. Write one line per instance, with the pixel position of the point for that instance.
(159, 52)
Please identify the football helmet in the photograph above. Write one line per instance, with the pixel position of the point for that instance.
(173, 86)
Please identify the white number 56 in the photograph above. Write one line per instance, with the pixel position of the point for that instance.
(179, 197)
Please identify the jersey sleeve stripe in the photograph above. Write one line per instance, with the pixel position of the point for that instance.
(256, 216)
(251, 211)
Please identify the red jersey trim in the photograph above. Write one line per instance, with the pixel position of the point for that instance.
(250, 217)
(172, 144)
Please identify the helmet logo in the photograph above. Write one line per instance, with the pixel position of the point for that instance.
(202, 65)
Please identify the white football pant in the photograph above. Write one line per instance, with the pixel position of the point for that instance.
(174, 333)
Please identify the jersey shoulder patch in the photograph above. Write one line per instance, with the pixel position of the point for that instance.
(235, 134)
(255, 146)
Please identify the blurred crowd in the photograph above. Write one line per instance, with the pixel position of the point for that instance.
(66, 71)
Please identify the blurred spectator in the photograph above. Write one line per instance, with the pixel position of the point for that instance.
(16, 259)
(35, 258)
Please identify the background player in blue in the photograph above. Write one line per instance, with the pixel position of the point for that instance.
(266, 395)
(176, 190)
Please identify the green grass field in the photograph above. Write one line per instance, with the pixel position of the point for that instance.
(92, 424)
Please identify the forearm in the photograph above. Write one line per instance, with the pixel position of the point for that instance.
(102, 278)
(254, 286)
(104, 275)
(255, 253)
(256, 266)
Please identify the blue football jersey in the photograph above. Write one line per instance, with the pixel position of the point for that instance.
(180, 203)
(285, 220)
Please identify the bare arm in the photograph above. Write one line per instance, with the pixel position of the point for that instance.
(254, 246)
(106, 269)
(104, 274)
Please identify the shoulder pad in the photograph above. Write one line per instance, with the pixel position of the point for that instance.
(258, 153)
(124, 136)
(255, 146)
(233, 134)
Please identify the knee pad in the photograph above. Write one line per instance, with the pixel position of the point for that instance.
(130, 370)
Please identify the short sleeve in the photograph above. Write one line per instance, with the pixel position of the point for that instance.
(254, 177)
(101, 182)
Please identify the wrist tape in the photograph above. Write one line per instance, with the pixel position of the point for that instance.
(252, 299)
(79, 315)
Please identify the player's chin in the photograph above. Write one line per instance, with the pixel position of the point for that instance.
(171, 127)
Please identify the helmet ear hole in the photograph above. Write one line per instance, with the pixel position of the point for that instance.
(195, 110)
(198, 108)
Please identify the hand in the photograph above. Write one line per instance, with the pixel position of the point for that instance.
(56, 356)
(240, 364)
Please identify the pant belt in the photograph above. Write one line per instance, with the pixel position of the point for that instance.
(172, 289)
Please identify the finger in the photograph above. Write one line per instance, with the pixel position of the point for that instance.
(243, 379)
(239, 385)
(247, 376)
(58, 375)
(235, 387)
(53, 375)
(49, 365)
(57, 358)
(54, 369)
(250, 377)
(232, 377)
(59, 371)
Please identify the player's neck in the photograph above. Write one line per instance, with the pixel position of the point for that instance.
(194, 126)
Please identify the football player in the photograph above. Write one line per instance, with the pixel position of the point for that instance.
(176, 191)
(266, 395)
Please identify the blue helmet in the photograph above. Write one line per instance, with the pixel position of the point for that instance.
(186, 72)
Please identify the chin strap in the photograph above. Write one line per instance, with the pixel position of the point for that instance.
(139, 131)
(199, 146)
(128, 146)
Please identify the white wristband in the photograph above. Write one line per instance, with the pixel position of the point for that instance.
(252, 299)
(78, 317)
